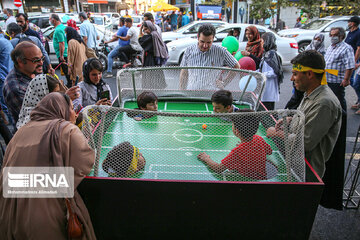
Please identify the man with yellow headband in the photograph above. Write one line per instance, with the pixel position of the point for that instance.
(320, 106)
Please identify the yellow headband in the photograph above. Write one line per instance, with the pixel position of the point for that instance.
(301, 68)
(133, 165)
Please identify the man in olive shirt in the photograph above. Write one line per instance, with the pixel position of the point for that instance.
(320, 106)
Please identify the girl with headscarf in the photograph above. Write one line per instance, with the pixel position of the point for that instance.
(317, 44)
(271, 66)
(76, 53)
(155, 54)
(38, 88)
(93, 86)
(254, 47)
(50, 139)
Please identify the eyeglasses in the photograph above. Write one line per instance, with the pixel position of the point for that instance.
(36, 60)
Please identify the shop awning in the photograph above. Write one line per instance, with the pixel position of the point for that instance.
(98, 1)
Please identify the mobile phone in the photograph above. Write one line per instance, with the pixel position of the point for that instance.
(105, 94)
(77, 80)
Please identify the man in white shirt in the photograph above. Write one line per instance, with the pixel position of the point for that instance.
(205, 54)
(8, 15)
(127, 50)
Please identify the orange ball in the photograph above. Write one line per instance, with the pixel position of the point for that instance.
(204, 126)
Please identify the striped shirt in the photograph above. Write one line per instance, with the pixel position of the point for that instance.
(340, 57)
(216, 56)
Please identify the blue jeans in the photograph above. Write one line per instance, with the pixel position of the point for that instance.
(355, 83)
(111, 56)
(339, 91)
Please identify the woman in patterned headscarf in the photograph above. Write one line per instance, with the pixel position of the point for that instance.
(317, 44)
(254, 47)
(38, 88)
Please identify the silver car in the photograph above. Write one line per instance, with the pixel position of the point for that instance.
(287, 48)
(305, 34)
(189, 30)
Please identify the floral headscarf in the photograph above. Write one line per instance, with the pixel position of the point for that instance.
(255, 47)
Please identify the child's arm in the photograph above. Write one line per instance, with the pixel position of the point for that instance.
(216, 167)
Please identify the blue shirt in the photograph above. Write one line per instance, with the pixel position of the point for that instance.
(87, 29)
(122, 32)
(353, 39)
(173, 18)
(185, 20)
(6, 64)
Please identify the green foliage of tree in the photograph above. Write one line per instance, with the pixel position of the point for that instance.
(211, 2)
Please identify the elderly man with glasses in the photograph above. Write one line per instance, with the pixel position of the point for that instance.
(339, 56)
(28, 62)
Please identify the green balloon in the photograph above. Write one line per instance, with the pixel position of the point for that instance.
(238, 55)
(230, 43)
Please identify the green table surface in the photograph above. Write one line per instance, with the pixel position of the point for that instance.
(170, 145)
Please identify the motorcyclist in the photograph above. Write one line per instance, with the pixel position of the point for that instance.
(122, 32)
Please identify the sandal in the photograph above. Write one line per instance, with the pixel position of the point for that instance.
(357, 112)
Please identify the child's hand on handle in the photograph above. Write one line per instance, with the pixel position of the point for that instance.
(203, 156)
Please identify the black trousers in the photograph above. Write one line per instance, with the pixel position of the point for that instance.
(125, 53)
(65, 70)
(339, 91)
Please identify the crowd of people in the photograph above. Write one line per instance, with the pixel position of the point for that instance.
(43, 111)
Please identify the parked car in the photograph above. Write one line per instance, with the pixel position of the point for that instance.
(137, 21)
(42, 21)
(104, 33)
(287, 47)
(306, 33)
(114, 17)
(101, 20)
(189, 30)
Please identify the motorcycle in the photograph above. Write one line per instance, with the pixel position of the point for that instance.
(104, 50)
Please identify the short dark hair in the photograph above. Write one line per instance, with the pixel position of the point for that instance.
(52, 83)
(145, 98)
(13, 28)
(119, 159)
(342, 33)
(355, 19)
(22, 14)
(247, 124)
(223, 97)
(18, 52)
(10, 11)
(149, 16)
(122, 20)
(83, 15)
(207, 30)
(128, 20)
(310, 58)
(55, 17)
